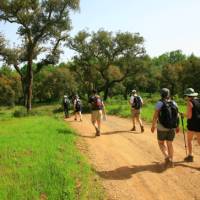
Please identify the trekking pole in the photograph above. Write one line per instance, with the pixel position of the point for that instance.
(184, 134)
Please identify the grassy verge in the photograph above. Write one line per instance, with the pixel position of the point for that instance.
(39, 160)
(122, 108)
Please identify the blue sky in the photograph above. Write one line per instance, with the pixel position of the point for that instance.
(166, 25)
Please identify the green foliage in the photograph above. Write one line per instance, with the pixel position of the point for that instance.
(104, 58)
(39, 160)
(122, 108)
(10, 87)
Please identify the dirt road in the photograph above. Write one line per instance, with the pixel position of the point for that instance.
(130, 164)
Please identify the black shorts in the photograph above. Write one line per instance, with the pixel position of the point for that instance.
(166, 135)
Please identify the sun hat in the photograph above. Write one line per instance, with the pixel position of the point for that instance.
(190, 92)
(164, 93)
(134, 91)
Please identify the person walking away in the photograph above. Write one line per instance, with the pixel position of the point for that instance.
(166, 120)
(97, 106)
(66, 106)
(193, 120)
(136, 103)
(77, 108)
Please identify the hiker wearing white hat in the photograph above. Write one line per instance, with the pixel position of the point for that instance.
(193, 120)
(136, 103)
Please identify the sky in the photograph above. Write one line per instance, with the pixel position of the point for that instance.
(166, 25)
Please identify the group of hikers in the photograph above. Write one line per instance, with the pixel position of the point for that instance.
(166, 118)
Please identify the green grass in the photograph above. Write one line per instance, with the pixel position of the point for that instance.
(39, 159)
(122, 108)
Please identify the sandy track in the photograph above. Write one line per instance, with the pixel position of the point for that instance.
(130, 164)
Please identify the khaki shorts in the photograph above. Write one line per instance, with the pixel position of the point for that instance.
(96, 115)
(135, 112)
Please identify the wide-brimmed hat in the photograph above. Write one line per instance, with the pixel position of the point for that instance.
(190, 92)
(65, 96)
(133, 91)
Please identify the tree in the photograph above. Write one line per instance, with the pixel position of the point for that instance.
(10, 87)
(52, 83)
(106, 58)
(191, 73)
(43, 25)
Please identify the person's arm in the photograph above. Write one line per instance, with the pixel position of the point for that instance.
(154, 121)
(142, 101)
(131, 100)
(189, 110)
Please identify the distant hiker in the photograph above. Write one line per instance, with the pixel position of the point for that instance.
(136, 103)
(66, 105)
(97, 106)
(166, 120)
(77, 107)
(193, 120)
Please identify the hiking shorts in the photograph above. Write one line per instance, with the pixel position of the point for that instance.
(135, 112)
(96, 115)
(166, 135)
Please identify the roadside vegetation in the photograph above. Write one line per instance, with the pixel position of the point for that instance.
(120, 107)
(40, 160)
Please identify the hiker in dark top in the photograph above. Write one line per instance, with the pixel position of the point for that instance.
(97, 106)
(77, 107)
(193, 120)
(166, 120)
(136, 103)
(66, 106)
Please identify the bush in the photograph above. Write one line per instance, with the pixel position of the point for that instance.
(22, 112)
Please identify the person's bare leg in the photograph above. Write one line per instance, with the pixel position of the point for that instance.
(80, 115)
(189, 141)
(75, 116)
(133, 120)
(170, 150)
(163, 148)
(140, 122)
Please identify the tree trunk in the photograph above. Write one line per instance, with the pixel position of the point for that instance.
(106, 92)
(24, 89)
(29, 85)
(125, 93)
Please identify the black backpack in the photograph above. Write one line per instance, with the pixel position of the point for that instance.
(78, 104)
(168, 115)
(137, 103)
(194, 122)
(96, 103)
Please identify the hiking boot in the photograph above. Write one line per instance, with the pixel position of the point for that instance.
(97, 132)
(142, 129)
(167, 161)
(133, 129)
(189, 158)
(171, 164)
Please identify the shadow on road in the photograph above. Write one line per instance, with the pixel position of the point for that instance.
(127, 172)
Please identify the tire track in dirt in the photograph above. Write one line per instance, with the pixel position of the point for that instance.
(130, 164)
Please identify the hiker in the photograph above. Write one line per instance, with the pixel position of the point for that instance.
(136, 103)
(97, 106)
(77, 108)
(193, 120)
(166, 120)
(66, 105)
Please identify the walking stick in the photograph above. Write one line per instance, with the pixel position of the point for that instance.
(184, 134)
